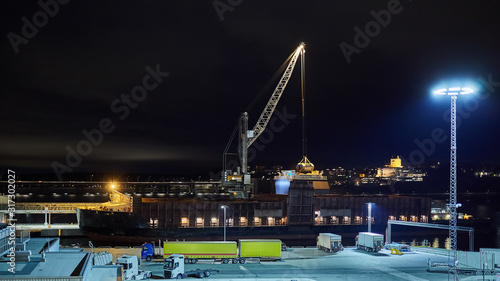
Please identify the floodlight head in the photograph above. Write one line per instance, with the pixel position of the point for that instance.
(454, 91)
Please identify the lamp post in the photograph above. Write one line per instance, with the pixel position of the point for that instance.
(453, 92)
(369, 216)
(224, 207)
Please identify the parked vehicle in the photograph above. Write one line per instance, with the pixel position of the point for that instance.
(150, 251)
(173, 268)
(227, 251)
(131, 270)
(329, 242)
(370, 242)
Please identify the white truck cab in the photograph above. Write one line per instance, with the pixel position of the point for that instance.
(173, 267)
(131, 270)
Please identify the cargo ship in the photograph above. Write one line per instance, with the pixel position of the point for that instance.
(128, 228)
(299, 215)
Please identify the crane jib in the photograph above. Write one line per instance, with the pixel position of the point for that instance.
(273, 100)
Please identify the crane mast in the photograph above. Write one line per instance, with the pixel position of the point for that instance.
(247, 137)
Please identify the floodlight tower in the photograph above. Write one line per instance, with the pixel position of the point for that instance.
(453, 92)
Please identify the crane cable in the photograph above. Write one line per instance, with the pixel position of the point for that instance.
(227, 147)
(303, 92)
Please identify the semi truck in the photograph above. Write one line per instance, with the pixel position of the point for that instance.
(329, 242)
(173, 268)
(227, 251)
(149, 251)
(370, 242)
(131, 270)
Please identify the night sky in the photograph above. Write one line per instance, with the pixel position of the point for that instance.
(66, 70)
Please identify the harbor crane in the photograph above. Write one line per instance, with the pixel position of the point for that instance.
(248, 136)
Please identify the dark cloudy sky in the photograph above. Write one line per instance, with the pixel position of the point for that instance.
(65, 78)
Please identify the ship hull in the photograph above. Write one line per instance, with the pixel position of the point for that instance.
(127, 228)
(120, 228)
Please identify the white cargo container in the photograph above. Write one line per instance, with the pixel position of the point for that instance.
(370, 242)
(329, 242)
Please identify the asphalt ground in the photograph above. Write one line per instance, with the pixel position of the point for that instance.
(312, 264)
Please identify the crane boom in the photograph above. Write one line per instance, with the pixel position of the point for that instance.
(248, 137)
(265, 116)
(242, 184)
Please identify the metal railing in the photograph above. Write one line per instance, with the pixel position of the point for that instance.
(50, 207)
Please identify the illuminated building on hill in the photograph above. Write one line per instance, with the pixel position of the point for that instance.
(396, 172)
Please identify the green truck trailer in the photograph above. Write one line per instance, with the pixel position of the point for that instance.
(195, 250)
(263, 249)
(230, 251)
